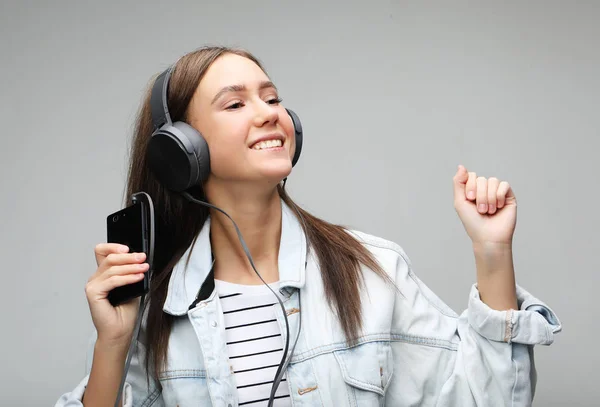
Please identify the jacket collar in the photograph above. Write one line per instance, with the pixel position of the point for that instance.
(186, 280)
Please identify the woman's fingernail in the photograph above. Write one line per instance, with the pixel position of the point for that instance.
(471, 195)
(482, 208)
(140, 256)
(124, 249)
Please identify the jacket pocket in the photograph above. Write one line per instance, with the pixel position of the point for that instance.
(181, 386)
(367, 370)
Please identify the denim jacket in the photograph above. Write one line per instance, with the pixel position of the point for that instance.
(413, 351)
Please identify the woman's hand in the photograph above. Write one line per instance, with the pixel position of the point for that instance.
(116, 268)
(487, 208)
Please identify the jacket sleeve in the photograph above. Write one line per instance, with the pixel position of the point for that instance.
(138, 391)
(482, 357)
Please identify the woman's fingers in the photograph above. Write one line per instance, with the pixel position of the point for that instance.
(102, 250)
(492, 190)
(99, 289)
(118, 259)
(502, 192)
(471, 188)
(482, 195)
(124, 270)
(115, 259)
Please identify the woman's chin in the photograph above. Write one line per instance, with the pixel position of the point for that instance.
(275, 170)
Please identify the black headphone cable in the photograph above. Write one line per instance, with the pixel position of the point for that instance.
(284, 360)
(135, 198)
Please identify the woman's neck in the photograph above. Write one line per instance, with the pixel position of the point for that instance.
(259, 221)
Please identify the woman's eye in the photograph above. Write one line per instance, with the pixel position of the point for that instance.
(235, 105)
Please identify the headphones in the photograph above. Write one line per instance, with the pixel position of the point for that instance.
(177, 153)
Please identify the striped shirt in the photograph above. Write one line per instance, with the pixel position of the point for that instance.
(254, 342)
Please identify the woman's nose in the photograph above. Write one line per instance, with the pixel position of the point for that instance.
(266, 113)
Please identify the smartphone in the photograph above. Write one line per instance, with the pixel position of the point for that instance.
(129, 226)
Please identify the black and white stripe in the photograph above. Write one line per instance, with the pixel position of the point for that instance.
(254, 342)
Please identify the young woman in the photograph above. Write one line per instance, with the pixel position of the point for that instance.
(363, 329)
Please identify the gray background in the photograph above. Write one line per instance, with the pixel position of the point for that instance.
(392, 95)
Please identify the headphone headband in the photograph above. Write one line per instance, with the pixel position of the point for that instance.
(158, 99)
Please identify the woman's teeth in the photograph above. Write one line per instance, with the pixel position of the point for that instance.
(267, 144)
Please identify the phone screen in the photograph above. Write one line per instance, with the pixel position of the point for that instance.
(128, 227)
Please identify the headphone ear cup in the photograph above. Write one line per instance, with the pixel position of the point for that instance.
(178, 156)
(297, 134)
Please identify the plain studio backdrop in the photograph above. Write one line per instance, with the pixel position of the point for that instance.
(393, 95)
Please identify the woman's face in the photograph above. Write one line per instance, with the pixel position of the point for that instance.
(237, 110)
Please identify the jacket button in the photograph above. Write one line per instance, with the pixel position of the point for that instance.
(213, 324)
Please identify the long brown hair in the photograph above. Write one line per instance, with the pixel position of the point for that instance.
(178, 222)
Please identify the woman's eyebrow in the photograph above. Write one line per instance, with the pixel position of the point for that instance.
(241, 88)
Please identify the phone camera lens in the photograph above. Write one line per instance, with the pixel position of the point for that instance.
(115, 218)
